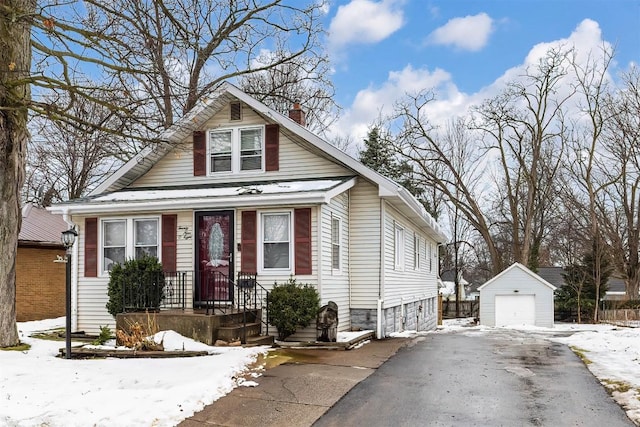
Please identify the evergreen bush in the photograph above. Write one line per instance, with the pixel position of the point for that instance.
(292, 306)
(138, 284)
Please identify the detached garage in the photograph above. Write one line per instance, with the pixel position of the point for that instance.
(517, 296)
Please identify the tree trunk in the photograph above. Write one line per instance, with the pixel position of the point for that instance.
(15, 60)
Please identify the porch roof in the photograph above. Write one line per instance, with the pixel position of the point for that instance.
(271, 193)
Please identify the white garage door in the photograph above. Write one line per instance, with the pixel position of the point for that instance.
(515, 310)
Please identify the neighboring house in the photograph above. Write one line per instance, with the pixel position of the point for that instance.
(40, 282)
(237, 187)
(616, 288)
(447, 287)
(517, 296)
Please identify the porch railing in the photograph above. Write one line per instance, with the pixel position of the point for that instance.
(214, 291)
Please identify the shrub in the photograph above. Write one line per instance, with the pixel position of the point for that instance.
(292, 306)
(138, 284)
(105, 335)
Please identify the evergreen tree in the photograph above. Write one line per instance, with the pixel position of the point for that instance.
(379, 156)
(579, 292)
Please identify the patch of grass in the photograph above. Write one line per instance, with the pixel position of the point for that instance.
(616, 386)
(20, 347)
(53, 335)
(580, 352)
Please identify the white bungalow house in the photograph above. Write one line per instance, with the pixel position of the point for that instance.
(237, 187)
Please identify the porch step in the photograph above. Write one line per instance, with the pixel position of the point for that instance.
(231, 332)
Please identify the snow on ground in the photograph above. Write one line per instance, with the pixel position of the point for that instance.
(37, 388)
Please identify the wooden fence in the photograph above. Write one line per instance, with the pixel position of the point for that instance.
(621, 316)
(467, 308)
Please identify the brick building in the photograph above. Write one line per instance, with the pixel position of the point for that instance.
(40, 282)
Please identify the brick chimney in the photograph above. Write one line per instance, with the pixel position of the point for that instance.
(297, 115)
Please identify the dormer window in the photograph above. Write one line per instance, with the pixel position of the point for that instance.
(236, 149)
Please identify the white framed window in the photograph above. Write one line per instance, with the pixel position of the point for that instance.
(336, 233)
(238, 149)
(399, 247)
(127, 238)
(416, 252)
(276, 245)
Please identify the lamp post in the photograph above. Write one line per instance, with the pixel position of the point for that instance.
(68, 238)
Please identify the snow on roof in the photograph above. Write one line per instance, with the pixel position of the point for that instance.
(181, 193)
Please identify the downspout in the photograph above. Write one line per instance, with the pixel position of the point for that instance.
(379, 332)
(319, 243)
(74, 272)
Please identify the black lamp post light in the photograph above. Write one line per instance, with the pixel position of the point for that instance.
(68, 239)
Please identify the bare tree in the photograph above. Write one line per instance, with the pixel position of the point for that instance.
(183, 49)
(524, 128)
(620, 205)
(66, 160)
(583, 190)
(162, 57)
(303, 80)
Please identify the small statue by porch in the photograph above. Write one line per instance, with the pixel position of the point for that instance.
(327, 322)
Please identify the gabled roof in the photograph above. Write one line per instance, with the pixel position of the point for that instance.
(226, 92)
(40, 227)
(553, 275)
(517, 265)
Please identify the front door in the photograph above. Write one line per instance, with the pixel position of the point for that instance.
(214, 257)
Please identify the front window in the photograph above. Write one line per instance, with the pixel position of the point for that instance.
(128, 238)
(114, 243)
(236, 149)
(276, 241)
(146, 237)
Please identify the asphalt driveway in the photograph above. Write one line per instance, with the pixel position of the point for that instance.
(474, 378)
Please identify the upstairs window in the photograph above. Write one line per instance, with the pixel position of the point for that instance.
(236, 150)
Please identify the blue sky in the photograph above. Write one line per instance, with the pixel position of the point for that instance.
(381, 49)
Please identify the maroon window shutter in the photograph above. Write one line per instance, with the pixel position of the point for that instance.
(169, 240)
(272, 147)
(249, 242)
(302, 231)
(91, 247)
(199, 153)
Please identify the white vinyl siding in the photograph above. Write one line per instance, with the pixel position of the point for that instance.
(364, 245)
(295, 160)
(405, 285)
(335, 282)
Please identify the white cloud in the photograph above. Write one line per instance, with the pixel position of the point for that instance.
(373, 103)
(468, 33)
(377, 101)
(365, 22)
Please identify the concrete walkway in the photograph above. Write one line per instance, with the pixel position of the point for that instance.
(300, 390)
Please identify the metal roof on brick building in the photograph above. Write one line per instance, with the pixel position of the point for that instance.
(40, 227)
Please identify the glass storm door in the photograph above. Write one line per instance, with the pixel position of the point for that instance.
(214, 257)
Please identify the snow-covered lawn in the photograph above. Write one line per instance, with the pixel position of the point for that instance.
(39, 389)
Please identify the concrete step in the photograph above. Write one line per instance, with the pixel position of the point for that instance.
(231, 332)
(259, 340)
